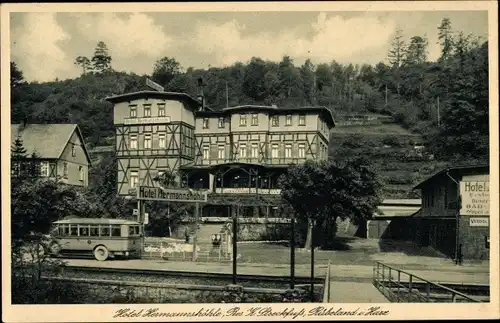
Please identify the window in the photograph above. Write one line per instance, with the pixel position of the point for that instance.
(243, 120)
(161, 140)
(147, 141)
(104, 231)
(83, 230)
(73, 150)
(133, 111)
(288, 120)
(255, 150)
(206, 152)
(73, 230)
(275, 151)
(147, 110)
(81, 173)
(115, 231)
(133, 141)
(275, 121)
(64, 229)
(220, 152)
(288, 150)
(134, 178)
(243, 150)
(221, 123)
(302, 120)
(65, 170)
(205, 123)
(255, 119)
(133, 230)
(161, 110)
(44, 169)
(302, 151)
(94, 230)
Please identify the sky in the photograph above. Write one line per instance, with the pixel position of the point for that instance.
(45, 45)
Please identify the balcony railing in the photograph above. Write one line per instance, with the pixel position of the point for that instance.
(247, 190)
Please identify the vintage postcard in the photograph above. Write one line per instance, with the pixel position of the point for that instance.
(249, 160)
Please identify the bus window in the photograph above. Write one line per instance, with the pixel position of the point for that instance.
(104, 230)
(115, 231)
(73, 230)
(94, 231)
(64, 230)
(133, 230)
(84, 230)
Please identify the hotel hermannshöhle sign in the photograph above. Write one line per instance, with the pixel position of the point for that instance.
(171, 194)
(476, 202)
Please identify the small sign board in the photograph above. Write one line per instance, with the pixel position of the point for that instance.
(147, 120)
(475, 197)
(171, 194)
(479, 222)
(154, 85)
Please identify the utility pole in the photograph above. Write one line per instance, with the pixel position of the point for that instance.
(292, 252)
(438, 115)
(312, 223)
(227, 96)
(235, 242)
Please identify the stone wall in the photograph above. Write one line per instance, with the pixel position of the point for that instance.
(117, 291)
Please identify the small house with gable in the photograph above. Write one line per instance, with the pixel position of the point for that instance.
(59, 149)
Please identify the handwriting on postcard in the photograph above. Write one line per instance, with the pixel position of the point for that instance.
(258, 311)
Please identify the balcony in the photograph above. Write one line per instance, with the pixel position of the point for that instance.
(247, 190)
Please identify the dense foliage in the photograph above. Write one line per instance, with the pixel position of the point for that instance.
(325, 191)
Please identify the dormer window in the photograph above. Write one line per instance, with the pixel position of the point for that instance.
(243, 120)
(275, 121)
(302, 120)
(205, 123)
(133, 111)
(161, 110)
(288, 120)
(255, 119)
(221, 123)
(147, 110)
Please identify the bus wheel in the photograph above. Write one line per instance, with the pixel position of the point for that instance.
(101, 253)
(54, 249)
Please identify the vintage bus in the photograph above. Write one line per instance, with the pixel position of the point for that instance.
(104, 238)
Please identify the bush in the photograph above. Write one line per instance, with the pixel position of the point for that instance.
(393, 141)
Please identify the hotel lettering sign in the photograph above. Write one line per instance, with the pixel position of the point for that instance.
(475, 198)
(146, 120)
(171, 194)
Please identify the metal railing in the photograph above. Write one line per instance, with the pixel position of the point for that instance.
(403, 287)
(326, 288)
(185, 251)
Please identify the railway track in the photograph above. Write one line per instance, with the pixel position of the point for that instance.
(184, 274)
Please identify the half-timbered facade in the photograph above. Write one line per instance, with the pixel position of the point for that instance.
(234, 153)
(154, 135)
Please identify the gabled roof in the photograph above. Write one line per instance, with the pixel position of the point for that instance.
(455, 171)
(193, 103)
(46, 140)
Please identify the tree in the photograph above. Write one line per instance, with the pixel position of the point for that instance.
(445, 35)
(321, 192)
(84, 63)
(254, 81)
(165, 70)
(308, 81)
(416, 52)
(16, 75)
(398, 49)
(101, 60)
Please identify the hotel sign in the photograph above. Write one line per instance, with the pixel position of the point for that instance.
(171, 194)
(146, 120)
(475, 197)
(154, 85)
